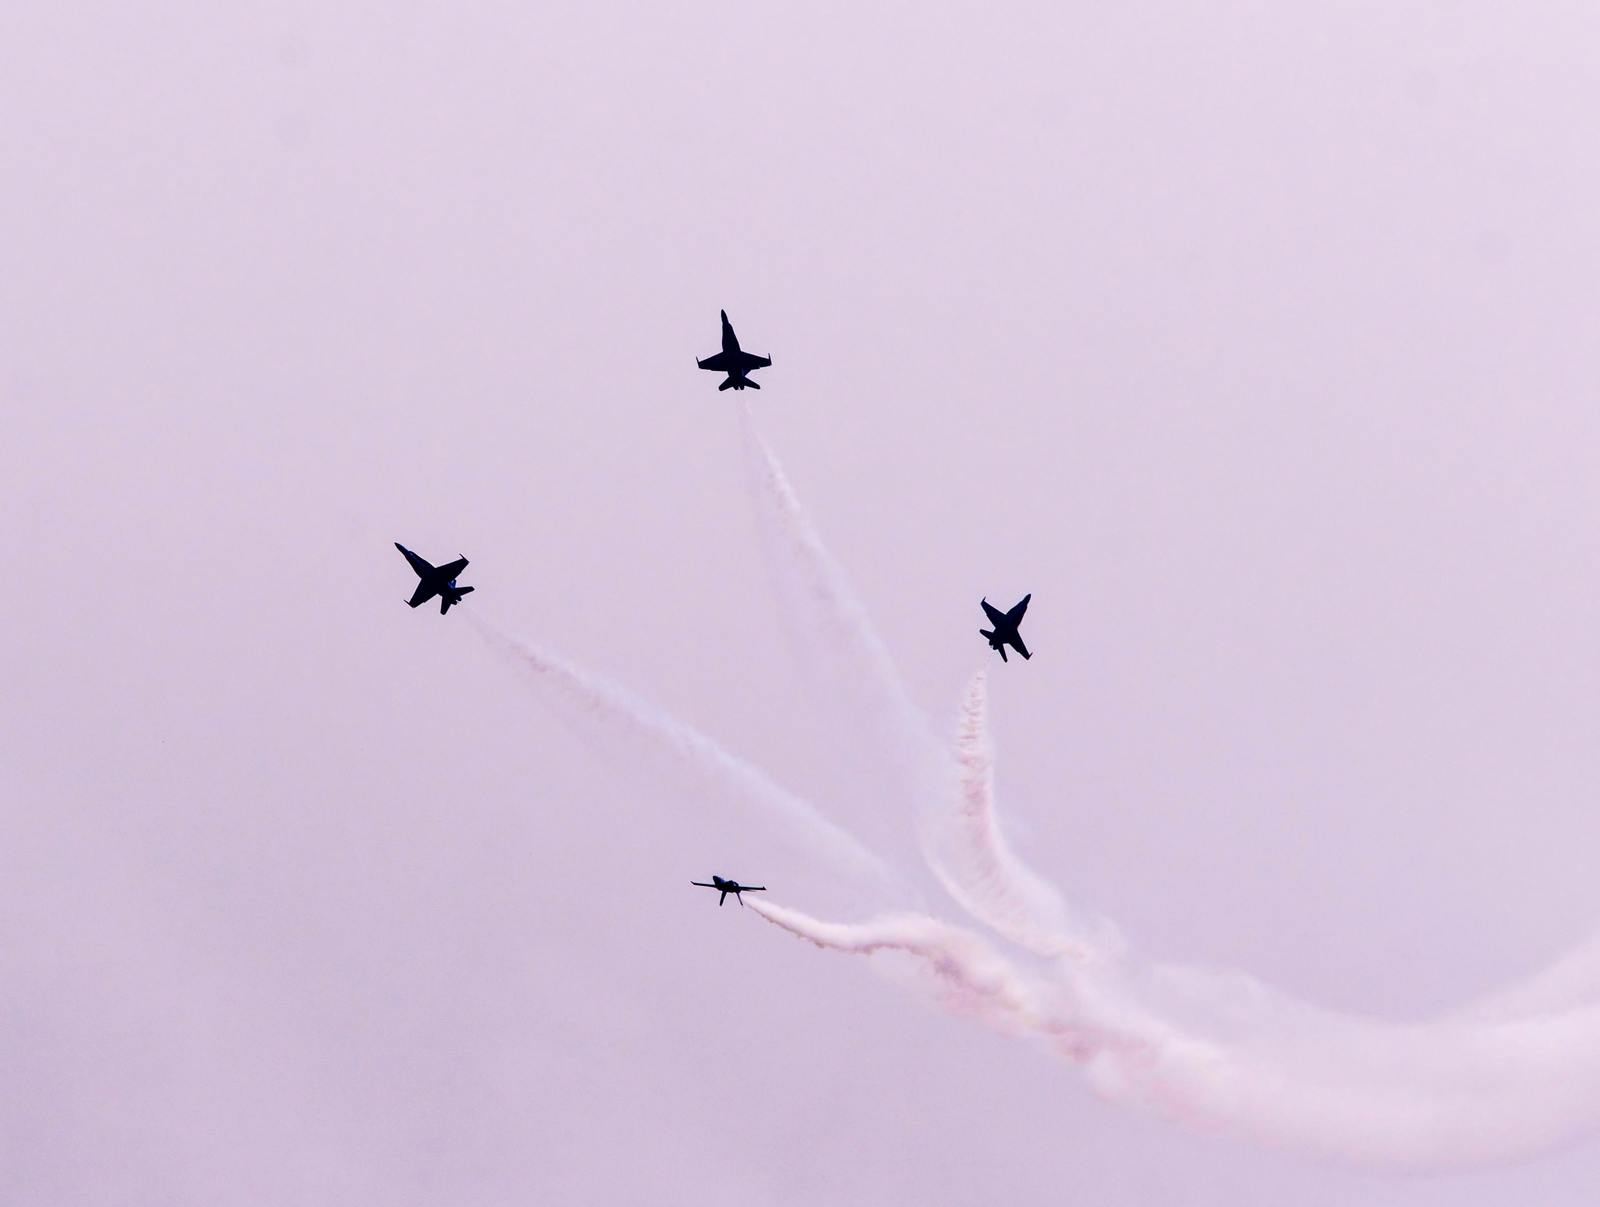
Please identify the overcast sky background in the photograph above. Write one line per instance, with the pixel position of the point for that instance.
(1255, 341)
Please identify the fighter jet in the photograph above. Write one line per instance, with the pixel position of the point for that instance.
(1005, 628)
(436, 580)
(735, 363)
(729, 886)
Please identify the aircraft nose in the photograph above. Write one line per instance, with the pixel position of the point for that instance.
(724, 314)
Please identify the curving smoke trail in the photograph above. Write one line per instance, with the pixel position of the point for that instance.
(1570, 983)
(1083, 1021)
(969, 977)
(1424, 1097)
(1218, 1051)
(613, 710)
(968, 852)
(1516, 1074)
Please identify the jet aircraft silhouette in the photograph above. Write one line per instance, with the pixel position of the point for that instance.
(729, 886)
(731, 360)
(436, 580)
(1005, 628)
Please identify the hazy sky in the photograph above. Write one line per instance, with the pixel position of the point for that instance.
(1253, 340)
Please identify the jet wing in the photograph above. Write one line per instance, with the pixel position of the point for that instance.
(1016, 613)
(749, 360)
(421, 595)
(722, 362)
(1016, 644)
(448, 573)
(420, 565)
(995, 615)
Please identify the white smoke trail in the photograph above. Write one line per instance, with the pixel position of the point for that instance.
(1570, 982)
(1218, 1052)
(846, 625)
(1417, 1097)
(1076, 1020)
(843, 635)
(1514, 1076)
(1426, 1097)
(646, 727)
(970, 977)
(969, 853)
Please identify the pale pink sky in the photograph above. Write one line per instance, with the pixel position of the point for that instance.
(1255, 341)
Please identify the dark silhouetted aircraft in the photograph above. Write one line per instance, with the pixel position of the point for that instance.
(732, 361)
(1005, 627)
(436, 580)
(729, 886)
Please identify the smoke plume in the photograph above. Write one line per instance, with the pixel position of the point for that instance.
(1512, 1075)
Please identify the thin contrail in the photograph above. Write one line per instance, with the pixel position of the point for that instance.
(843, 634)
(847, 625)
(644, 725)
